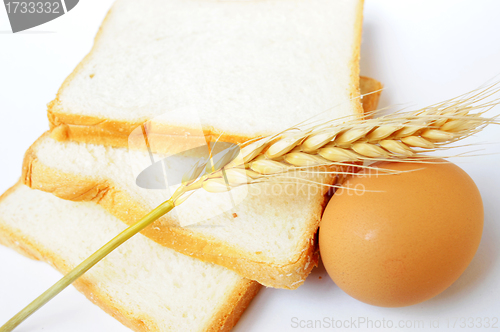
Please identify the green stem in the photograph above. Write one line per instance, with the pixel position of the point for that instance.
(84, 266)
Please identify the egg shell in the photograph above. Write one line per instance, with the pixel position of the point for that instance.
(408, 241)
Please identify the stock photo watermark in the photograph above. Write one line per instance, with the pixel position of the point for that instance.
(364, 322)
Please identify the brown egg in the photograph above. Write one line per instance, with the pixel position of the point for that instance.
(406, 243)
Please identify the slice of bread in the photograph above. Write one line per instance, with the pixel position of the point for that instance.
(247, 67)
(144, 285)
(268, 237)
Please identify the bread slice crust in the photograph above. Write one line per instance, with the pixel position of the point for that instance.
(224, 320)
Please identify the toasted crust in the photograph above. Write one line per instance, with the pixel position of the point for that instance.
(233, 308)
(226, 317)
(354, 64)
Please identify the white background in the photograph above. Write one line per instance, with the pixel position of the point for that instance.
(422, 51)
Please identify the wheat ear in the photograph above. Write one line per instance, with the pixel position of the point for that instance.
(401, 136)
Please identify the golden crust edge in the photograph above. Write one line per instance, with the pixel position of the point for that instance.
(231, 310)
(354, 63)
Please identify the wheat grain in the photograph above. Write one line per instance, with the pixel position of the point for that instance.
(283, 146)
(381, 133)
(265, 167)
(370, 150)
(336, 154)
(437, 135)
(418, 142)
(396, 147)
(351, 135)
(314, 142)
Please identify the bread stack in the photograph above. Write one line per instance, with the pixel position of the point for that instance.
(179, 74)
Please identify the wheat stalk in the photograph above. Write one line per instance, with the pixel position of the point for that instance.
(402, 136)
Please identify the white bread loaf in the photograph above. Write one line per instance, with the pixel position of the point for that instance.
(247, 67)
(144, 285)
